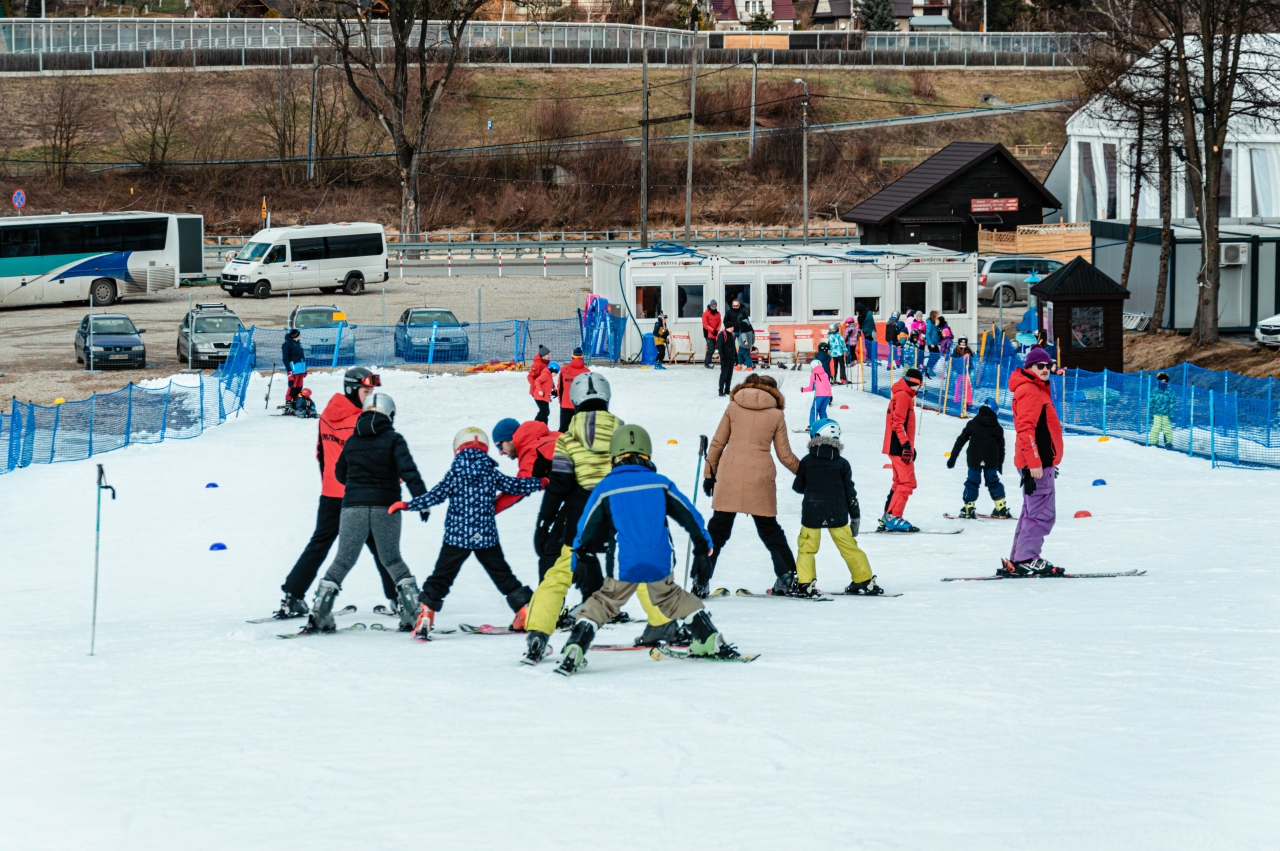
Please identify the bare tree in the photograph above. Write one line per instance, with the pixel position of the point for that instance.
(1164, 165)
(151, 122)
(398, 68)
(66, 118)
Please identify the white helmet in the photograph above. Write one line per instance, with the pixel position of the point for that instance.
(825, 428)
(834, 328)
(470, 438)
(382, 403)
(589, 386)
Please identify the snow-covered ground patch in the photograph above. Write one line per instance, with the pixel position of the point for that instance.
(1116, 713)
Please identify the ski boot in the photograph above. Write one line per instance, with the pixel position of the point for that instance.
(321, 618)
(1002, 510)
(565, 621)
(897, 524)
(807, 589)
(866, 589)
(535, 648)
(407, 593)
(784, 585)
(291, 607)
(969, 512)
(700, 589)
(424, 622)
(519, 600)
(289, 409)
(1030, 567)
(575, 649)
(706, 641)
(669, 633)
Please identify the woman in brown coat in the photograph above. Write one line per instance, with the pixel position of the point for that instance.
(740, 475)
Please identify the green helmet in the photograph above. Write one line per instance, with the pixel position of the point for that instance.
(630, 440)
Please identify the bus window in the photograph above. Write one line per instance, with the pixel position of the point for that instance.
(60, 239)
(306, 249)
(276, 255)
(19, 242)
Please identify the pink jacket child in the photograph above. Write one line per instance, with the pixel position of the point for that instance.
(820, 384)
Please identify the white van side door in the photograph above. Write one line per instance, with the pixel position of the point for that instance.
(275, 268)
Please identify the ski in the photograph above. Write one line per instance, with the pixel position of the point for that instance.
(1059, 576)
(660, 653)
(488, 629)
(920, 532)
(355, 626)
(625, 647)
(743, 592)
(979, 517)
(847, 594)
(719, 592)
(348, 610)
(383, 610)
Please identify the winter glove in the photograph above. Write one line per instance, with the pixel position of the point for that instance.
(541, 467)
(702, 567)
(553, 394)
(425, 514)
(397, 506)
(908, 454)
(951, 463)
(855, 517)
(709, 485)
(1028, 483)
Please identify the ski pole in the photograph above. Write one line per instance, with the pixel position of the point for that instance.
(697, 480)
(267, 399)
(97, 539)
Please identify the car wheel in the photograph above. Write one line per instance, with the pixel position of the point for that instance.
(79, 359)
(236, 293)
(329, 290)
(178, 348)
(1007, 296)
(103, 292)
(262, 289)
(354, 285)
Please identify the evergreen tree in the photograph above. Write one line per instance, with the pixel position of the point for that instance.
(760, 21)
(877, 15)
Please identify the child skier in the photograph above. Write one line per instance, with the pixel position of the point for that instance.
(540, 383)
(471, 486)
(899, 434)
(373, 462)
(632, 504)
(820, 384)
(303, 407)
(295, 368)
(836, 346)
(830, 501)
(1161, 405)
(575, 367)
(985, 459)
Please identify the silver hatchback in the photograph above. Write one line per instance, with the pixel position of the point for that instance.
(206, 333)
(1004, 279)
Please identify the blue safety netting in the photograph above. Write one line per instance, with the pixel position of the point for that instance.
(1225, 417)
(72, 431)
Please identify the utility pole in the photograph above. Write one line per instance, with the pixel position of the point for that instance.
(693, 113)
(644, 146)
(804, 154)
(755, 67)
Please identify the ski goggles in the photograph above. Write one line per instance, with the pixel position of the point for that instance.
(371, 380)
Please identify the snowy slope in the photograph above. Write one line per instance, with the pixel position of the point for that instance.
(1122, 713)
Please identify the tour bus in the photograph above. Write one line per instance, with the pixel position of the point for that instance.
(52, 259)
(342, 256)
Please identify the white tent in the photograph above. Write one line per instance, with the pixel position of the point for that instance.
(1101, 154)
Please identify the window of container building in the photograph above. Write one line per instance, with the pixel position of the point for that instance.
(955, 296)
(689, 301)
(1109, 166)
(912, 296)
(777, 300)
(740, 291)
(648, 302)
(1087, 185)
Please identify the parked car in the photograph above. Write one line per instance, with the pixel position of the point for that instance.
(413, 336)
(211, 328)
(328, 257)
(1004, 279)
(1268, 333)
(114, 342)
(320, 329)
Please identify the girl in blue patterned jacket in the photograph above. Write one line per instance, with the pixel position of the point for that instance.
(471, 486)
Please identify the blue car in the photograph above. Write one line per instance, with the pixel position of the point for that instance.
(413, 336)
(115, 342)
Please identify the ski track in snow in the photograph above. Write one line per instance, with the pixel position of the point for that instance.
(1114, 713)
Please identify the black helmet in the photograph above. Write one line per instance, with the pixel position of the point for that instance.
(358, 377)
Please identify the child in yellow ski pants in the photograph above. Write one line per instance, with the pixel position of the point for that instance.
(548, 599)
(811, 539)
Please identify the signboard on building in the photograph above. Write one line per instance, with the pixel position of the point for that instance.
(993, 205)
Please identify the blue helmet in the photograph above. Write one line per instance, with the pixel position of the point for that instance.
(825, 427)
(554, 366)
(505, 430)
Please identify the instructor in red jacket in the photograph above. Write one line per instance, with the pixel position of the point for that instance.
(568, 372)
(336, 425)
(711, 323)
(533, 445)
(1037, 452)
(899, 440)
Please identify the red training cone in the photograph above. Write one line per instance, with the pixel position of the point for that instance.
(1080, 514)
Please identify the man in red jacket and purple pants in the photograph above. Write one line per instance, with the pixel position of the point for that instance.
(1038, 449)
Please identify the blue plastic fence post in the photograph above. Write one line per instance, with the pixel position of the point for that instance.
(93, 405)
(872, 348)
(1191, 423)
(53, 440)
(431, 351)
(128, 418)
(337, 346)
(200, 390)
(1213, 450)
(164, 422)
(1269, 383)
(1104, 402)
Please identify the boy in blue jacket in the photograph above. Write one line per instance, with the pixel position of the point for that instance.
(471, 486)
(295, 368)
(632, 503)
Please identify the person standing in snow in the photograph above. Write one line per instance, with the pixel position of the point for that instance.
(711, 319)
(1037, 452)
(533, 445)
(746, 338)
(661, 333)
(740, 476)
(337, 424)
(295, 367)
(852, 341)
(825, 479)
(984, 458)
(374, 461)
(1161, 407)
(728, 359)
(631, 506)
(540, 384)
(839, 351)
(471, 487)
(820, 385)
(932, 341)
(899, 435)
(575, 367)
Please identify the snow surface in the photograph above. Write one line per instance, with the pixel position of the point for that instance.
(1116, 713)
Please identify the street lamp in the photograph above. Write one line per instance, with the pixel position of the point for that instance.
(804, 155)
(311, 136)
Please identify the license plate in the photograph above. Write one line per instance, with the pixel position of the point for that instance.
(1271, 338)
(118, 357)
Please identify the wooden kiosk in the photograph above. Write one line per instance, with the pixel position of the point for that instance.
(1082, 310)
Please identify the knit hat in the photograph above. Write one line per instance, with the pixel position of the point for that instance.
(915, 375)
(505, 430)
(1164, 376)
(1037, 355)
(577, 351)
(712, 303)
(294, 333)
(543, 351)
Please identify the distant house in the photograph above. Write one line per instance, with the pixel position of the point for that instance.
(911, 15)
(735, 14)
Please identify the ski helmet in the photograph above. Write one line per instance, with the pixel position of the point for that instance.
(505, 430)
(630, 440)
(833, 328)
(382, 403)
(470, 438)
(825, 427)
(824, 346)
(358, 377)
(554, 366)
(1164, 376)
(589, 386)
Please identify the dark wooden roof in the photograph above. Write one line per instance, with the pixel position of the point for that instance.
(1079, 277)
(932, 174)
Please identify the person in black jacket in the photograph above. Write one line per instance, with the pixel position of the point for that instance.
(728, 357)
(985, 458)
(373, 462)
(295, 367)
(831, 503)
